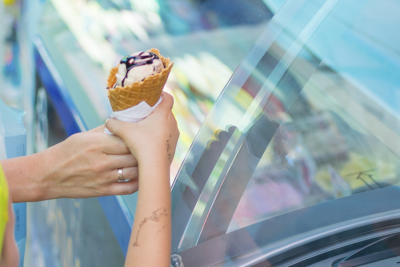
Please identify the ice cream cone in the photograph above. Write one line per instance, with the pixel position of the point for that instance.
(148, 90)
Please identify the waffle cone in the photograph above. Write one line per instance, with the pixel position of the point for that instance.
(148, 90)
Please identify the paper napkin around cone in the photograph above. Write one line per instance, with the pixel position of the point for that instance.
(133, 114)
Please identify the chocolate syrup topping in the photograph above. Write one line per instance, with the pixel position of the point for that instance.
(130, 62)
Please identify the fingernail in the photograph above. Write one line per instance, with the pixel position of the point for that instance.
(107, 121)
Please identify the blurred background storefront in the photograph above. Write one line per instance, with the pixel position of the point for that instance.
(76, 43)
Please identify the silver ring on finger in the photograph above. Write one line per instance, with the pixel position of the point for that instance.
(120, 175)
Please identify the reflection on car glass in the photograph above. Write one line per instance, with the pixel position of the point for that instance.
(250, 152)
(384, 252)
(330, 141)
(203, 182)
(181, 17)
(319, 155)
(205, 165)
(316, 154)
(363, 175)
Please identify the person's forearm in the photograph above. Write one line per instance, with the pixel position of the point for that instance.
(33, 178)
(83, 165)
(150, 243)
(22, 175)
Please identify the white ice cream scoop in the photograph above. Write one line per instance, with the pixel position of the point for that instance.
(136, 67)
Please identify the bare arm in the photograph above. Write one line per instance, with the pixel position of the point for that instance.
(84, 165)
(152, 141)
(23, 184)
(151, 234)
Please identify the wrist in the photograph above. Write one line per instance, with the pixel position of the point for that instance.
(39, 175)
(154, 161)
(46, 174)
(152, 153)
(21, 175)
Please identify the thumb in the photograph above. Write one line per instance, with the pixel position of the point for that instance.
(116, 127)
(167, 101)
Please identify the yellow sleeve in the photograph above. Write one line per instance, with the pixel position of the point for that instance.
(3, 207)
(9, 2)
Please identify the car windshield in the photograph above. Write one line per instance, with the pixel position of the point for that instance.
(311, 116)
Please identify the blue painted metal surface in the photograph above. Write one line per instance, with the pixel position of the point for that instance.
(57, 91)
(120, 219)
(117, 213)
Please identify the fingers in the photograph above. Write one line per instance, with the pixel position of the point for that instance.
(121, 161)
(125, 188)
(117, 127)
(99, 129)
(113, 145)
(167, 101)
(128, 173)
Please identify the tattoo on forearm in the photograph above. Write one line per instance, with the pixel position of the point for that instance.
(168, 149)
(155, 216)
(159, 231)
